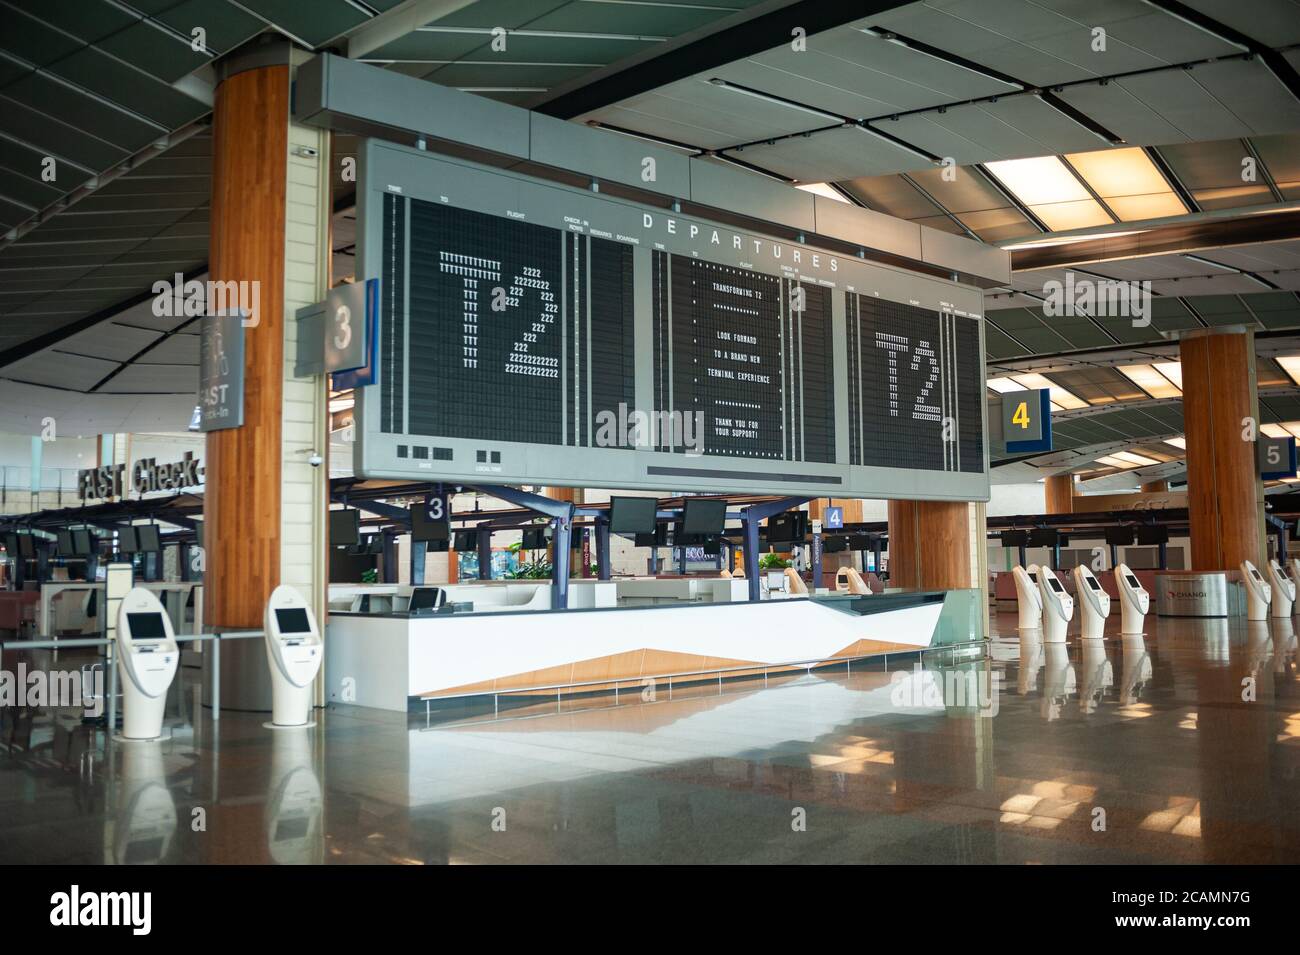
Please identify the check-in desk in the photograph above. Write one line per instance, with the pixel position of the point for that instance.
(395, 661)
(656, 591)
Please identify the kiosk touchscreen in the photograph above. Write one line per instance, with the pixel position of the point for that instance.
(1258, 593)
(1283, 590)
(147, 658)
(1029, 601)
(1134, 601)
(293, 650)
(1058, 606)
(1094, 603)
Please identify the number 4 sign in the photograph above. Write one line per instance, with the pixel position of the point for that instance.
(1027, 421)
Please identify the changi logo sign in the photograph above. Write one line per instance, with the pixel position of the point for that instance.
(147, 475)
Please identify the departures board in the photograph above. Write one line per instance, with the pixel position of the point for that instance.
(533, 333)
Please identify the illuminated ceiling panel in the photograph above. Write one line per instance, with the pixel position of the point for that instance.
(1051, 191)
(1129, 182)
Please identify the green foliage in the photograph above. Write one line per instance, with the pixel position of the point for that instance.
(773, 562)
(532, 570)
(370, 576)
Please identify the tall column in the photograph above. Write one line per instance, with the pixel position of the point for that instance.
(1155, 487)
(930, 544)
(1058, 494)
(264, 502)
(1225, 497)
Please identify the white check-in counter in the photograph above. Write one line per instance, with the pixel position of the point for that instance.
(396, 661)
(655, 591)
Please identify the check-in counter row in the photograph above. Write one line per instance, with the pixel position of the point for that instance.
(506, 596)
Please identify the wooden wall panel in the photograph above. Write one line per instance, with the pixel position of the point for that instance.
(1058, 494)
(1224, 493)
(929, 544)
(242, 493)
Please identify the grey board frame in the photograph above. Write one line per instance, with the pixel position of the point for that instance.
(386, 168)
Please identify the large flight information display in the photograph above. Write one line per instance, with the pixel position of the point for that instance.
(534, 333)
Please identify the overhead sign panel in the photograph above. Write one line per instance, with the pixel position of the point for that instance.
(1027, 421)
(533, 333)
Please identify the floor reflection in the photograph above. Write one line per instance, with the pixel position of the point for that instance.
(1179, 745)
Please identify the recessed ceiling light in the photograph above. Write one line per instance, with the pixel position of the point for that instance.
(1051, 191)
(1291, 365)
(1150, 381)
(1114, 462)
(1004, 385)
(823, 189)
(1140, 460)
(1179, 442)
(1275, 431)
(1060, 396)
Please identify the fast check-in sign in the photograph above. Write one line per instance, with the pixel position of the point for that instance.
(1027, 421)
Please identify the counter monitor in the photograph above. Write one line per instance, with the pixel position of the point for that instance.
(147, 626)
(632, 515)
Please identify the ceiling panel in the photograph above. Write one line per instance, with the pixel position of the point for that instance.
(1275, 22)
(58, 370)
(154, 380)
(109, 341)
(834, 154)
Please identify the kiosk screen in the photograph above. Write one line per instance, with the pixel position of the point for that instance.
(292, 620)
(424, 598)
(147, 626)
(1092, 582)
(1055, 585)
(1132, 581)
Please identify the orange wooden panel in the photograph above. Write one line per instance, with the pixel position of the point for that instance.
(929, 546)
(1224, 493)
(250, 136)
(1058, 494)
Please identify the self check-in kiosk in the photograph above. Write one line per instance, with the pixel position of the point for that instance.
(1134, 601)
(1094, 603)
(293, 651)
(147, 659)
(1058, 606)
(1283, 590)
(1293, 567)
(1029, 601)
(1258, 593)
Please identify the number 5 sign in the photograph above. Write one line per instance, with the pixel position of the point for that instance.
(1277, 458)
(1027, 421)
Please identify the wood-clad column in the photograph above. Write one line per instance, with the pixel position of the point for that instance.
(1225, 497)
(1058, 494)
(930, 544)
(1155, 487)
(250, 131)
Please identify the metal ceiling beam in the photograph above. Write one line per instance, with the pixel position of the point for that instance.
(748, 32)
(400, 21)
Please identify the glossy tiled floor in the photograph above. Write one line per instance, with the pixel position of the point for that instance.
(1130, 751)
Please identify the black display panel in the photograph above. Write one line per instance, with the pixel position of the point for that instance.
(425, 598)
(703, 518)
(147, 538)
(27, 545)
(1119, 536)
(502, 330)
(467, 541)
(1133, 582)
(127, 541)
(534, 538)
(1055, 585)
(429, 521)
(750, 352)
(345, 527)
(66, 547)
(292, 620)
(916, 391)
(146, 626)
(1092, 582)
(632, 515)
(83, 542)
(1152, 534)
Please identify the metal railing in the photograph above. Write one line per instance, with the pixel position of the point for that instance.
(55, 644)
(681, 676)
